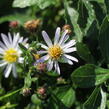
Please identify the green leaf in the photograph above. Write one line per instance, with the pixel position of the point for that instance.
(40, 3)
(24, 3)
(99, 1)
(66, 95)
(52, 73)
(28, 81)
(91, 15)
(8, 106)
(107, 5)
(72, 17)
(93, 101)
(21, 18)
(104, 39)
(84, 52)
(45, 3)
(35, 99)
(9, 94)
(89, 75)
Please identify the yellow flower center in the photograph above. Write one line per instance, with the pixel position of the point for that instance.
(10, 55)
(55, 52)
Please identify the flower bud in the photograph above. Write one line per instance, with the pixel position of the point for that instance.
(32, 25)
(67, 27)
(13, 24)
(41, 66)
(61, 80)
(41, 91)
(26, 91)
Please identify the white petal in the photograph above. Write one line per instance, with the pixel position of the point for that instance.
(15, 39)
(43, 46)
(69, 50)
(66, 38)
(3, 64)
(50, 65)
(8, 70)
(67, 60)
(10, 38)
(63, 37)
(71, 57)
(25, 40)
(46, 57)
(57, 35)
(20, 40)
(69, 44)
(14, 70)
(21, 59)
(5, 40)
(2, 45)
(1, 51)
(46, 38)
(57, 67)
(41, 52)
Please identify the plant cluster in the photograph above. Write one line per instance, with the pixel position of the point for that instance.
(54, 54)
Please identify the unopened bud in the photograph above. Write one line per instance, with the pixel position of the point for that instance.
(32, 25)
(26, 91)
(41, 66)
(41, 90)
(67, 27)
(61, 80)
(13, 24)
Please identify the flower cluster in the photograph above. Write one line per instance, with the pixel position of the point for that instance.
(51, 55)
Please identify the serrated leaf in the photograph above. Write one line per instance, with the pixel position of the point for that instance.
(93, 101)
(84, 52)
(72, 18)
(89, 75)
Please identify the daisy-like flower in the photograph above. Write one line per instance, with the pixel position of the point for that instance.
(10, 53)
(54, 52)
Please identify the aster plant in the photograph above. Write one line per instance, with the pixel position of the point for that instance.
(58, 50)
(10, 53)
(54, 54)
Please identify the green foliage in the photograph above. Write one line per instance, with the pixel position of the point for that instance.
(84, 52)
(66, 95)
(85, 85)
(103, 39)
(94, 100)
(72, 16)
(25, 3)
(89, 75)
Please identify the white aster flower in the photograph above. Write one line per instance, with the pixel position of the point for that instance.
(57, 50)
(10, 53)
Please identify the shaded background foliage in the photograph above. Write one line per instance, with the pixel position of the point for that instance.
(84, 85)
